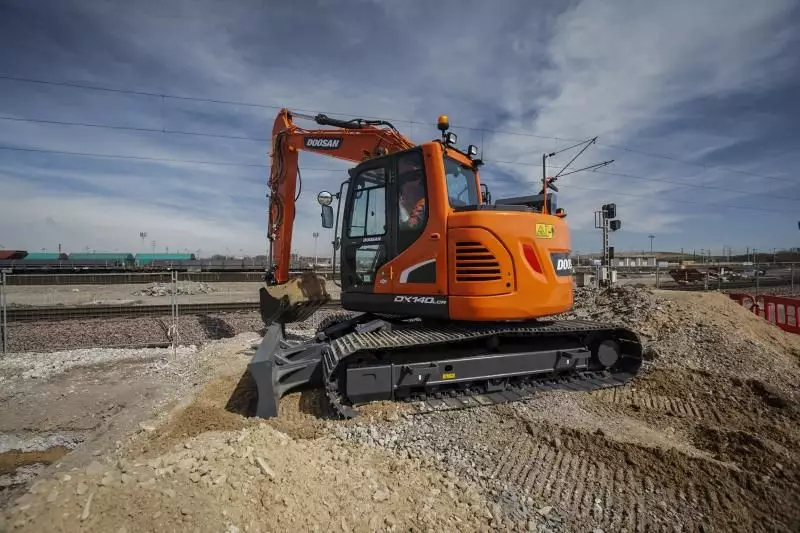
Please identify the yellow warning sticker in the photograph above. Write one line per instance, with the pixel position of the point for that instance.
(544, 231)
(449, 375)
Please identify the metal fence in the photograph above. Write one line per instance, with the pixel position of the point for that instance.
(761, 277)
(183, 308)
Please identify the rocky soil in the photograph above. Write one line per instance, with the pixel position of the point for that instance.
(705, 439)
(49, 336)
(182, 288)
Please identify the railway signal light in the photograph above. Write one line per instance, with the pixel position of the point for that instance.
(602, 221)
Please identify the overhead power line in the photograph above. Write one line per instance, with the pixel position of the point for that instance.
(134, 157)
(264, 139)
(153, 159)
(132, 128)
(259, 165)
(616, 193)
(663, 180)
(269, 106)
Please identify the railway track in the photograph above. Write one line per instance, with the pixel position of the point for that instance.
(712, 285)
(37, 314)
(131, 278)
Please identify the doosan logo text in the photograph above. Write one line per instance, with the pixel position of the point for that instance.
(325, 143)
(564, 264)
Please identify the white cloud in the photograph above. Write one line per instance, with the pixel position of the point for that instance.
(598, 68)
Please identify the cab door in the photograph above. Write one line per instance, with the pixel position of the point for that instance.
(365, 233)
(418, 267)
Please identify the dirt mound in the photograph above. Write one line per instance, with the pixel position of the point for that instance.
(705, 438)
(707, 331)
(227, 402)
(255, 479)
(183, 288)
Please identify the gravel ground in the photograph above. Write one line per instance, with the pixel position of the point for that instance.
(45, 365)
(138, 331)
(786, 290)
(707, 436)
(85, 400)
(189, 292)
(255, 479)
(705, 439)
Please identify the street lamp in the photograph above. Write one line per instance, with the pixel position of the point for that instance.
(651, 237)
(315, 235)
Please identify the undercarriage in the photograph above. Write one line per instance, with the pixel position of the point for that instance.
(362, 357)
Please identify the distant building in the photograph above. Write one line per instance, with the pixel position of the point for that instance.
(634, 261)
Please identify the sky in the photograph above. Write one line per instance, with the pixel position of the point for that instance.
(695, 103)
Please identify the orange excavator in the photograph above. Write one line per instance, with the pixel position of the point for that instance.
(448, 297)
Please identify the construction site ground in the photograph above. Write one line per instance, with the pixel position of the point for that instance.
(196, 292)
(705, 439)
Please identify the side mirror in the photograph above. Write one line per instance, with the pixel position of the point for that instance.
(485, 194)
(325, 198)
(327, 216)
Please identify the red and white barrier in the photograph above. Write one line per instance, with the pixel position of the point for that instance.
(783, 311)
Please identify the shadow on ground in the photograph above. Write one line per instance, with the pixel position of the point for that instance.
(215, 327)
(244, 398)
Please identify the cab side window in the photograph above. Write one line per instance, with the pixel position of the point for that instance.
(412, 195)
(368, 217)
(365, 250)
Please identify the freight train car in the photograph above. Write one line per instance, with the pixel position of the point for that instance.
(123, 262)
(8, 255)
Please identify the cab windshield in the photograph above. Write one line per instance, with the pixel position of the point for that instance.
(461, 188)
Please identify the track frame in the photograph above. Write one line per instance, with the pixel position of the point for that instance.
(365, 357)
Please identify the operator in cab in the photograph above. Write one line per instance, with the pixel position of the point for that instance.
(413, 207)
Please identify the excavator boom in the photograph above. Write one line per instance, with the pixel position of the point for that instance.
(287, 300)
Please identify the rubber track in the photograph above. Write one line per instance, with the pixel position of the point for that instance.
(353, 343)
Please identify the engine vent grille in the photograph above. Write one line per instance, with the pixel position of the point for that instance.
(474, 262)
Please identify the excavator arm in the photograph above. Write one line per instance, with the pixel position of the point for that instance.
(352, 140)
(285, 300)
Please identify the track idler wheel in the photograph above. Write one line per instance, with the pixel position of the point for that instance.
(607, 353)
(293, 301)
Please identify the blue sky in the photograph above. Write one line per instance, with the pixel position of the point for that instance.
(695, 101)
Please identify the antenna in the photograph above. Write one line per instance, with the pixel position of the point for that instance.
(548, 182)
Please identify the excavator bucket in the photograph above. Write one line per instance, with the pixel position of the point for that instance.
(293, 301)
